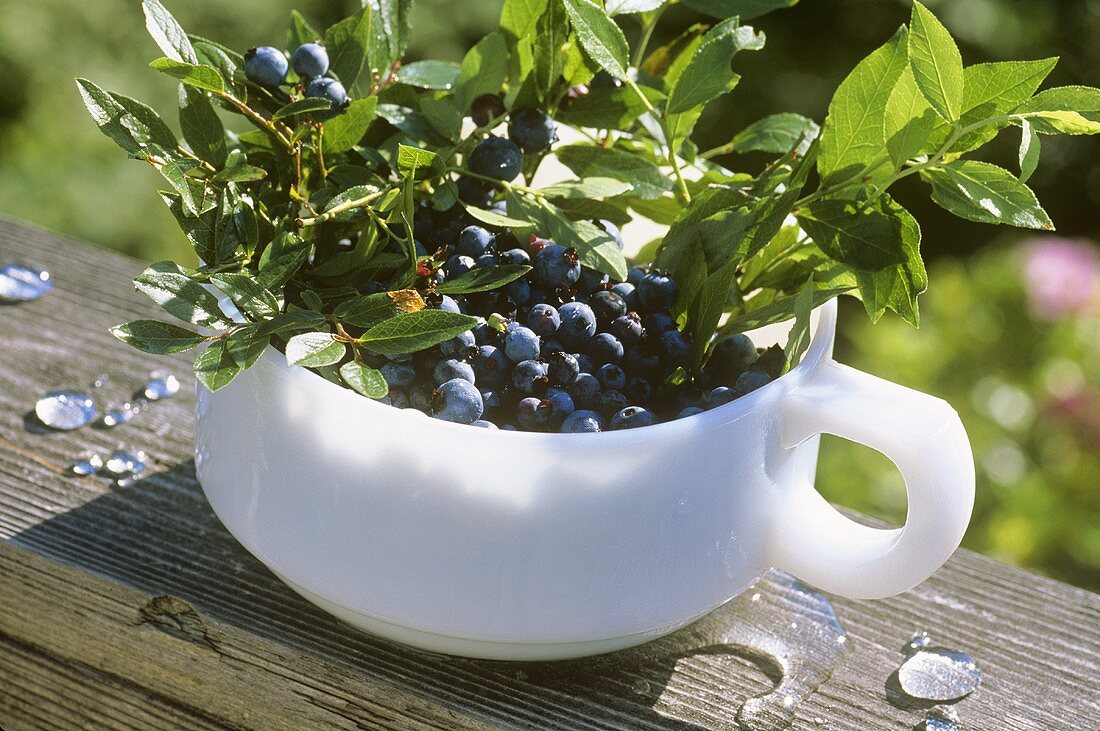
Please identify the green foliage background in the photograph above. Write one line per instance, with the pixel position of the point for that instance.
(56, 171)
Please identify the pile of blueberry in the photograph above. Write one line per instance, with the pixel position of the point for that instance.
(267, 67)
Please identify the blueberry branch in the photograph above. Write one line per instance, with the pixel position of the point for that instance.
(682, 192)
(335, 211)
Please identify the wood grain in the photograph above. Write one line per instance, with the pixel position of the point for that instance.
(132, 607)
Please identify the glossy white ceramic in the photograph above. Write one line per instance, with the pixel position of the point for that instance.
(524, 546)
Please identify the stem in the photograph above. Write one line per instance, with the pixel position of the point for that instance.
(647, 34)
(321, 150)
(258, 119)
(335, 211)
(682, 192)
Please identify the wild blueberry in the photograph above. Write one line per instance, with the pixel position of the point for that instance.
(532, 130)
(496, 158)
(520, 344)
(448, 304)
(474, 241)
(605, 348)
(612, 230)
(398, 375)
(750, 381)
(629, 294)
(515, 256)
(627, 328)
(639, 360)
(591, 280)
(452, 368)
(421, 395)
(527, 374)
(562, 404)
(638, 390)
(399, 400)
(500, 207)
(310, 60)
(331, 89)
(719, 397)
(657, 292)
(519, 291)
(578, 324)
(582, 422)
(458, 401)
(534, 414)
(562, 368)
(486, 108)
(265, 66)
(585, 391)
(689, 411)
(459, 346)
(675, 348)
(732, 356)
(492, 400)
(611, 377)
(552, 345)
(586, 364)
(544, 320)
(611, 403)
(556, 266)
(485, 261)
(634, 276)
(633, 417)
(658, 322)
(475, 192)
(457, 265)
(484, 424)
(607, 305)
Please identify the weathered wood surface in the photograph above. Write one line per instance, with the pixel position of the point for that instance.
(134, 608)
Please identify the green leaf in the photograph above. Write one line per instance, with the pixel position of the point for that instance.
(600, 37)
(936, 63)
(167, 33)
(909, 120)
(159, 338)
(483, 70)
(202, 129)
(499, 220)
(410, 332)
(345, 130)
(774, 312)
(853, 137)
(484, 279)
(1070, 123)
(201, 77)
(708, 308)
(896, 288)
(588, 188)
(709, 75)
(133, 126)
(391, 26)
(215, 366)
(799, 338)
(1084, 100)
(364, 380)
(302, 106)
(1030, 149)
(283, 257)
(369, 310)
(628, 7)
(419, 163)
(300, 31)
(191, 192)
(587, 161)
(597, 249)
(145, 124)
(518, 18)
(170, 287)
(245, 345)
(993, 90)
(250, 297)
(864, 236)
(979, 191)
(603, 108)
(777, 134)
(225, 60)
(239, 174)
(547, 58)
(313, 350)
(441, 75)
(744, 9)
(347, 42)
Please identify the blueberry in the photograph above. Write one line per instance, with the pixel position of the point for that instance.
(658, 322)
(585, 391)
(675, 348)
(515, 256)
(612, 230)
(520, 344)
(447, 304)
(458, 401)
(556, 266)
(591, 280)
(457, 265)
(627, 328)
(633, 417)
(265, 66)
(638, 390)
(689, 411)
(638, 360)
(561, 403)
(534, 414)
(587, 365)
(532, 130)
(399, 400)
(485, 261)
(657, 292)
(527, 374)
(474, 241)
(481, 423)
(562, 368)
(310, 60)
(544, 320)
(611, 377)
(732, 356)
(634, 276)
(611, 403)
(496, 158)
(451, 369)
(331, 89)
(719, 397)
(582, 422)
(628, 292)
(578, 324)
(421, 395)
(607, 305)
(750, 381)
(474, 192)
(486, 108)
(398, 375)
(459, 346)
(492, 400)
(605, 348)
(519, 291)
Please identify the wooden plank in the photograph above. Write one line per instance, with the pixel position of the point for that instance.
(84, 559)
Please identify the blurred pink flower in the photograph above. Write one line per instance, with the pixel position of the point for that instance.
(1062, 276)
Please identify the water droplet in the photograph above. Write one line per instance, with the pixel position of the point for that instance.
(23, 284)
(161, 385)
(940, 719)
(101, 380)
(65, 410)
(123, 464)
(641, 687)
(447, 86)
(936, 674)
(116, 415)
(89, 466)
(919, 641)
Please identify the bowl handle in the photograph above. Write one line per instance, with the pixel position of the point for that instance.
(923, 436)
